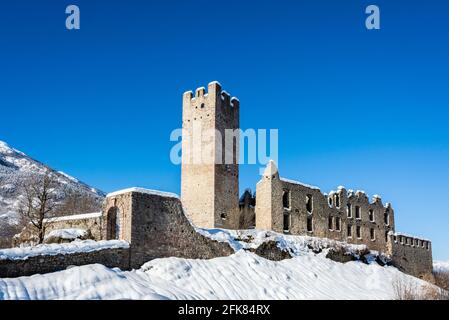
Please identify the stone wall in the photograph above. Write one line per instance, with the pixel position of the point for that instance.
(118, 257)
(155, 226)
(410, 254)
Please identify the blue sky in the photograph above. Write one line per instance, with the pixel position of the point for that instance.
(363, 109)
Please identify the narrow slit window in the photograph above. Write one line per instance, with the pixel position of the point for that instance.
(337, 224)
(371, 215)
(309, 224)
(358, 214)
(358, 231)
(331, 224)
(349, 210)
(387, 217)
(349, 231)
(286, 199)
(337, 201)
(286, 222)
(372, 234)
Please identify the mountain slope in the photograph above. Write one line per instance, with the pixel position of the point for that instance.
(16, 167)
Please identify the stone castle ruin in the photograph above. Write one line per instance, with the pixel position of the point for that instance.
(209, 193)
(137, 225)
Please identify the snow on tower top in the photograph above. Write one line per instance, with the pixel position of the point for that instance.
(271, 169)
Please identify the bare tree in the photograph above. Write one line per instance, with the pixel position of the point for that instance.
(76, 202)
(39, 202)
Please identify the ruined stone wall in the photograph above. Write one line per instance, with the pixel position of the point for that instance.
(291, 207)
(410, 254)
(91, 222)
(118, 257)
(159, 228)
(294, 208)
(88, 222)
(209, 185)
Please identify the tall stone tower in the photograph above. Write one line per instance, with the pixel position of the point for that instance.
(210, 173)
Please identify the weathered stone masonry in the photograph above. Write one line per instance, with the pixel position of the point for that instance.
(209, 183)
(292, 207)
(50, 263)
(156, 227)
(410, 254)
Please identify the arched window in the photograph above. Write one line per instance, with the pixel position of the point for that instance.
(113, 224)
(337, 200)
(309, 203)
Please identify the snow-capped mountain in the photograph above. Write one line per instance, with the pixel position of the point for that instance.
(15, 167)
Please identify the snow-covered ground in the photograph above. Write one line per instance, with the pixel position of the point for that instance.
(243, 275)
(76, 246)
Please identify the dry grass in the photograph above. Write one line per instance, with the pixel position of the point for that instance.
(436, 289)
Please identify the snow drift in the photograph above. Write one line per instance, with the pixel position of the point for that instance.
(243, 275)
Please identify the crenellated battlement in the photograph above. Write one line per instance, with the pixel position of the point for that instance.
(410, 254)
(213, 96)
(409, 240)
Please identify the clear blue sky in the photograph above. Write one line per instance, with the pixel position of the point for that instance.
(365, 109)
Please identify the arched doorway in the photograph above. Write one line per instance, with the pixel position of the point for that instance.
(113, 224)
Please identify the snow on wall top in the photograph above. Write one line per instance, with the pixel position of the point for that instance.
(300, 183)
(67, 234)
(296, 245)
(399, 234)
(64, 248)
(146, 191)
(82, 216)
